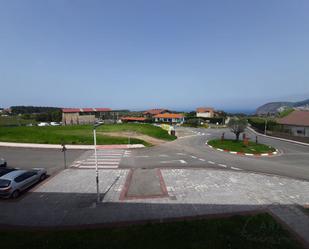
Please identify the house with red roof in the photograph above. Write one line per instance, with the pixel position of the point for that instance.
(297, 122)
(205, 112)
(169, 118)
(73, 116)
(149, 114)
(133, 119)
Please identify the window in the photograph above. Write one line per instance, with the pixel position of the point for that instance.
(24, 176)
(4, 183)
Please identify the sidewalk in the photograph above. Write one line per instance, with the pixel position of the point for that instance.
(68, 199)
(278, 138)
(70, 146)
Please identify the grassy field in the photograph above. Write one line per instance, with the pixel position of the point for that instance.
(15, 121)
(238, 146)
(80, 134)
(237, 232)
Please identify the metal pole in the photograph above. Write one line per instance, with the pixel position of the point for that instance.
(96, 163)
(265, 126)
(65, 159)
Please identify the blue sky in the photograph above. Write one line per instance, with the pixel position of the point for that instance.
(146, 54)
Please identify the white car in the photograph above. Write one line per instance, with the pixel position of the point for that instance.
(54, 124)
(43, 124)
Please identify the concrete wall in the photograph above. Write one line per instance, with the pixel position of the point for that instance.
(75, 119)
(86, 119)
(70, 118)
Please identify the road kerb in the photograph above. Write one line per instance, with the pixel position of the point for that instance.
(245, 154)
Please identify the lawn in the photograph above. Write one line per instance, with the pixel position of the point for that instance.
(238, 146)
(80, 134)
(255, 232)
(15, 121)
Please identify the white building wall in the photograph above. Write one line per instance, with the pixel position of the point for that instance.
(203, 115)
(300, 131)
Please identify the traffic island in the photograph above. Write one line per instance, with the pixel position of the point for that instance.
(241, 147)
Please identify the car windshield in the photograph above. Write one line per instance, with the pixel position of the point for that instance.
(4, 183)
(5, 171)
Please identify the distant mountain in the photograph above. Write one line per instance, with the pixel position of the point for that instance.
(273, 107)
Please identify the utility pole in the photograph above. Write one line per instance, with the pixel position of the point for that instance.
(265, 130)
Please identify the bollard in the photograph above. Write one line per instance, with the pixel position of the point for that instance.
(222, 137)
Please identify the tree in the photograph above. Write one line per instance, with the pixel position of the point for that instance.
(237, 126)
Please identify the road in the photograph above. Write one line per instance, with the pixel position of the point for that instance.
(188, 151)
(51, 159)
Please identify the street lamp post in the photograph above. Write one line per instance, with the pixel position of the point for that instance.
(96, 161)
(265, 130)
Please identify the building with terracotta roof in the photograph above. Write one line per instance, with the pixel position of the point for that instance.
(169, 118)
(71, 116)
(297, 122)
(133, 119)
(205, 112)
(152, 112)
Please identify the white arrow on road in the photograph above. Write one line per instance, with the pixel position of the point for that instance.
(171, 161)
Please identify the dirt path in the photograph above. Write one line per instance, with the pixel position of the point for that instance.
(149, 139)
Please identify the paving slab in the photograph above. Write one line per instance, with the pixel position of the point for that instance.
(68, 199)
(144, 183)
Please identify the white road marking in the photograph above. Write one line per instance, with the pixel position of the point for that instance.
(193, 157)
(171, 161)
(211, 162)
(201, 159)
(105, 159)
(163, 155)
(142, 156)
(222, 165)
(233, 152)
(188, 136)
(100, 163)
(181, 154)
(235, 168)
(99, 167)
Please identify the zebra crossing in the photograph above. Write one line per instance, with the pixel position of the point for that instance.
(107, 159)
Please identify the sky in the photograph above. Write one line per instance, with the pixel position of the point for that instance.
(176, 54)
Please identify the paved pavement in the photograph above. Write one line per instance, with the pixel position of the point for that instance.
(68, 198)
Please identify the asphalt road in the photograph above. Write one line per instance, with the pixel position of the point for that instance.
(189, 151)
(50, 159)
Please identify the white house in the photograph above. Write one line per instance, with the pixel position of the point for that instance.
(205, 112)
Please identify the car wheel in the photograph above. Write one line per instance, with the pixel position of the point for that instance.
(42, 177)
(15, 194)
